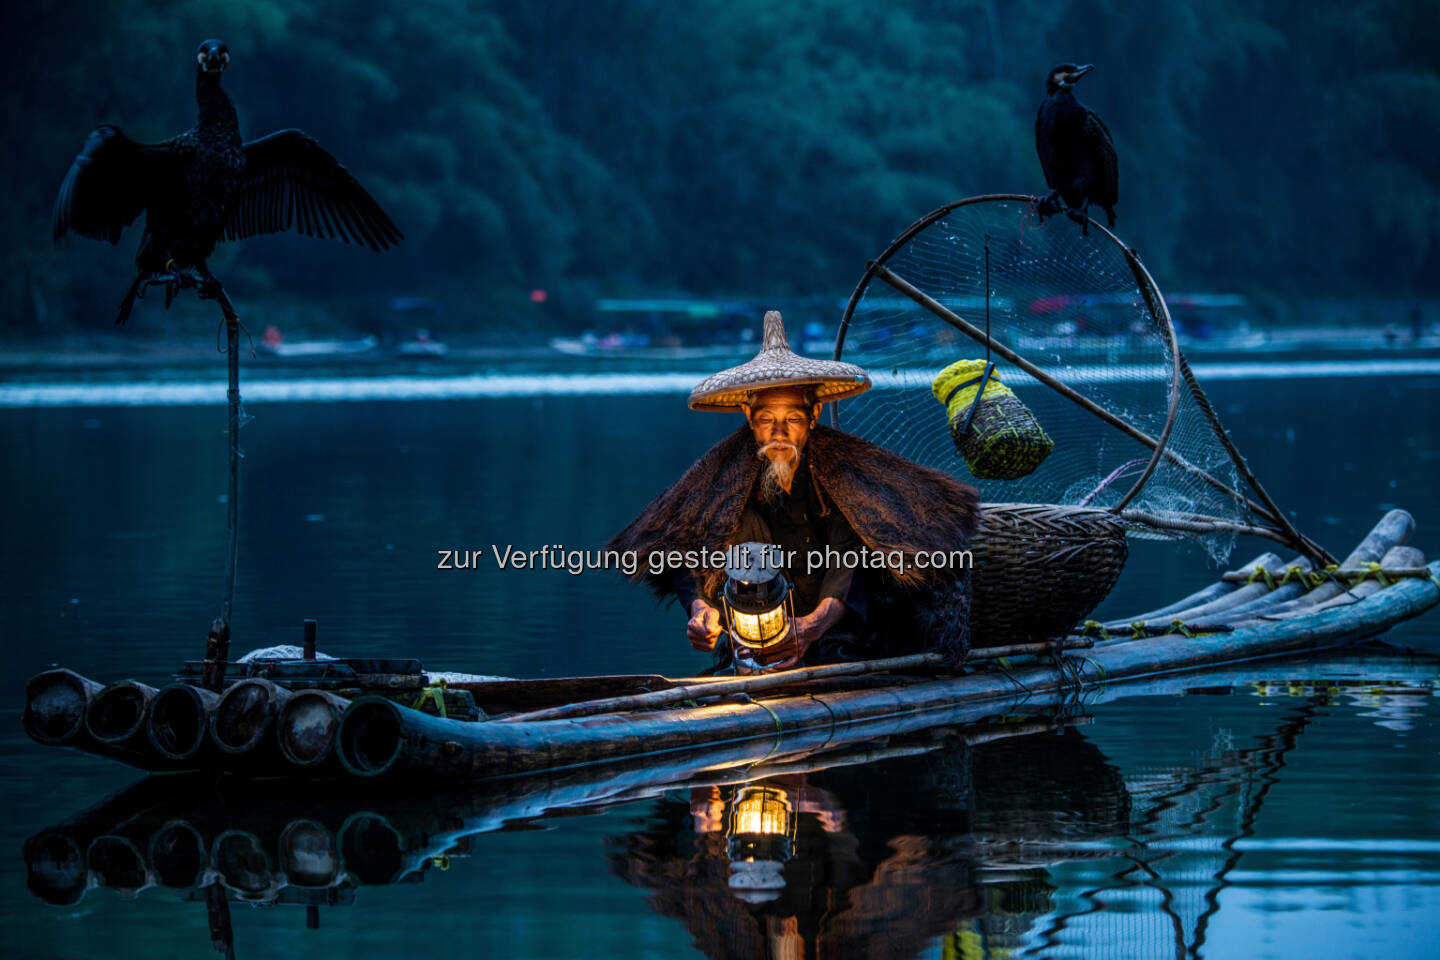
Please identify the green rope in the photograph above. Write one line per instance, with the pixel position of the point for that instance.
(779, 730)
(1099, 667)
(1178, 626)
(1260, 573)
(1370, 570)
(1373, 569)
(1293, 574)
(437, 692)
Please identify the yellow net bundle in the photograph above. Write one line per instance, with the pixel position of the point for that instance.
(1002, 440)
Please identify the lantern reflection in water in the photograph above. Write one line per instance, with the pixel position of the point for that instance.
(761, 837)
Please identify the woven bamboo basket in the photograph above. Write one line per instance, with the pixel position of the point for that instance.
(1001, 439)
(1004, 442)
(1040, 569)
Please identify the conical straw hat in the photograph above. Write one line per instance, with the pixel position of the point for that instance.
(776, 365)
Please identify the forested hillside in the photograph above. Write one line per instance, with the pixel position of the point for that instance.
(616, 147)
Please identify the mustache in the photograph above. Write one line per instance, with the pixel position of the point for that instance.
(777, 445)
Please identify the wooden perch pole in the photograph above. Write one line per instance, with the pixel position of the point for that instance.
(232, 395)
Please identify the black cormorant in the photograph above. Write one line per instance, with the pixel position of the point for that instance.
(207, 185)
(1075, 150)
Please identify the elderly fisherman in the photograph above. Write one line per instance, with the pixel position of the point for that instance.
(890, 531)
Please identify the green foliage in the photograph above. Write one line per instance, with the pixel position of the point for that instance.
(742, 146)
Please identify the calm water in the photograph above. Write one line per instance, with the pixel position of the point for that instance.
(1278, 819)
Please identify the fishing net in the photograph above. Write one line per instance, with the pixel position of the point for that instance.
(1094, 405)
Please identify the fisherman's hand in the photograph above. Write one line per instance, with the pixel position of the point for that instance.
(807, 629)
(704, 626)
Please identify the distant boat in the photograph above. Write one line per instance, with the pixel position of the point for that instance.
(424, 345)
(275, 343)
(623, 348)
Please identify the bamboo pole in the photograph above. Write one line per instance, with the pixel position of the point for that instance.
(1246, 596)
(305, 729)
(377, 737)
(117, 714)
(217, 644)
(718, 688)
(1196, 523)
(1343, 598)
(1030, 649)
(56, 705)
(1393, 529)
(243, 719)
(1085, 403)
(1270, 600)
(1301, 542)
(179, 721)
(1200, 597)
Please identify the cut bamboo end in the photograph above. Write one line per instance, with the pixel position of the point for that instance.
(306, 726)
(117, 713)
(56, 702)
(179, 720)
(370, 736)
(245, 714)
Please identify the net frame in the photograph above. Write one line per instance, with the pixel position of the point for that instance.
(1279, 527)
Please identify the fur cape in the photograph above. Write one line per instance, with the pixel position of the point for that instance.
(892, 504)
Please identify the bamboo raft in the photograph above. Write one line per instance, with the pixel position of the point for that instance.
(368, 719)
(314, 843)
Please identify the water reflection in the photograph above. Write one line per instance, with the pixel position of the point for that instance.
(824, 864)
(1018, 835)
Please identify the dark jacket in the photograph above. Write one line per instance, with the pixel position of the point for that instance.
(896, 507)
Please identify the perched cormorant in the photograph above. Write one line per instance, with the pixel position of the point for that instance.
(207, 185)
(1075, 150)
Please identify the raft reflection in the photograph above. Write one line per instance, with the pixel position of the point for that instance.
(962, 834)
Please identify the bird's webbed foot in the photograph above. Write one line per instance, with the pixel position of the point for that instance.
(1050, 205)
(1080, 217)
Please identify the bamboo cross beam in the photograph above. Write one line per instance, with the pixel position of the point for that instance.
(1395, 573)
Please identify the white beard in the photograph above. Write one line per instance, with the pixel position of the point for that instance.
(775, 475)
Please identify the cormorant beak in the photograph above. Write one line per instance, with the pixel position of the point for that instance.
(1079, 72)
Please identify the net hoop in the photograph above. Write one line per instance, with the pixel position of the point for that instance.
(1154, 304)
(1181, 377)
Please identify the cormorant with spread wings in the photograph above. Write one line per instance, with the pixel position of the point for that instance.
(207, 185)
(1075, 150)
